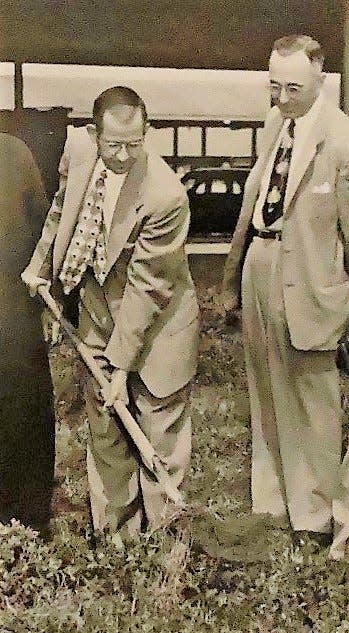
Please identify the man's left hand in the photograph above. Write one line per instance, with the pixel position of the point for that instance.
(117, 388)
(51, 327)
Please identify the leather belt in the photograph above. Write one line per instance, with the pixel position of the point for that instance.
(270, 235)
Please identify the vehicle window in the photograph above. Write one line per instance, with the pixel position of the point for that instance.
(236, 188)
(189, 183)
(201, 188)
(218, 186)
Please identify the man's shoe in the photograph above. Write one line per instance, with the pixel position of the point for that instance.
(300, 538)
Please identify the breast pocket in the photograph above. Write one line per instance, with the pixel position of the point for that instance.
(321, 205)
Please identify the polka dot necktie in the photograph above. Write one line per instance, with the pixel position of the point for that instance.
(88, 244)
(274, 204)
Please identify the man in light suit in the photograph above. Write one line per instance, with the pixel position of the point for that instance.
(295, 291)
(115, 233)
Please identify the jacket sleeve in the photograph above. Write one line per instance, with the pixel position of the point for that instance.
(40, 261)
(36, 203)
(151, 277)
(232, 267)
(342, 193)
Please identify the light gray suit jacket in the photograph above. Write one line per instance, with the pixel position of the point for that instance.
(315, 235)
(147, 310)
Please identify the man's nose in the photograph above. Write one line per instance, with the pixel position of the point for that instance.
(283, 98)
(122, 154)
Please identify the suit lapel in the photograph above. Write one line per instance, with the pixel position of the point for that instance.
(270, 140)
(79, 178)
(303, 154)
(262, 161)
(125, 213)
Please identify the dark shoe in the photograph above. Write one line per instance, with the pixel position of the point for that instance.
(300, 538)
(46, 532)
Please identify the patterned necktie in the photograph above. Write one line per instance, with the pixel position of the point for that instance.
(88, 244)
(274, 204)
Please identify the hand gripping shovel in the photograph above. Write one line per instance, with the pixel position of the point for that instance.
(148, 456)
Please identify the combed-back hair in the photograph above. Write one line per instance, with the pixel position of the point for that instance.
(115, 96)
(293, 43)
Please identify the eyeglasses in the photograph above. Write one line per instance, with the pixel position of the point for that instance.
(291, 89)
(132, 147)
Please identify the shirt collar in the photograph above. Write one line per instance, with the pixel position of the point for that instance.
(100, 166)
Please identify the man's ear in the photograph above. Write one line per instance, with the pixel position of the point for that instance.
(91, 128)
(323, 77)
(146, 127)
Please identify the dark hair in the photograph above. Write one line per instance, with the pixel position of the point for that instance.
(117, 95)
(293, 43)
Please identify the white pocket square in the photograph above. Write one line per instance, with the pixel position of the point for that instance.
(325, 187)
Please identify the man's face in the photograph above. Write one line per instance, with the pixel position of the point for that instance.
(120, 142)
(295, 83)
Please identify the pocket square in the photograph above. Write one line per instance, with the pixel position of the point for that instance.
(325, 187)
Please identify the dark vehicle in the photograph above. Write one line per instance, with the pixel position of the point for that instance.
(215, 197)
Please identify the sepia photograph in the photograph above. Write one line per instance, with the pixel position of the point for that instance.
(174, 316)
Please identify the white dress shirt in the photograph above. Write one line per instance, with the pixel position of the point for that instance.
(113, 184)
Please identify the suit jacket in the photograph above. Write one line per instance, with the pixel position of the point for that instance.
(315, 235)
(27, 425)
(146, 314)
(23, 207)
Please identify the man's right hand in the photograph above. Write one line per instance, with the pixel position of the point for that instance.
(33, 282)
(230, 303)
(229, 300)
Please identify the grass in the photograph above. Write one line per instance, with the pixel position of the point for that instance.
(212, 567)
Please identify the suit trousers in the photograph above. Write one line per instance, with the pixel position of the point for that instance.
(294, 401)
(124, 495)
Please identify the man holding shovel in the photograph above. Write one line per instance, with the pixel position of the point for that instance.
(114, 236)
